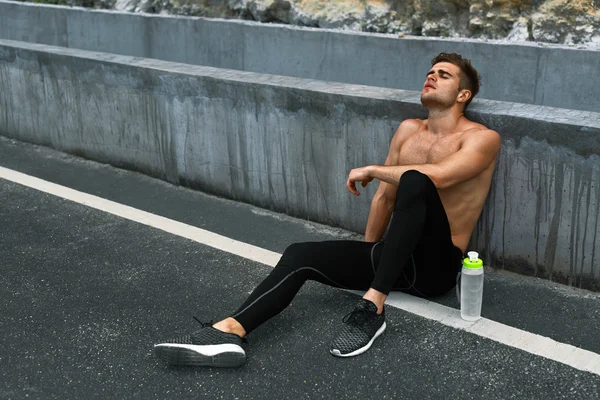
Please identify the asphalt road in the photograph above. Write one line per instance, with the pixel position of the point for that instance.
(86, 294)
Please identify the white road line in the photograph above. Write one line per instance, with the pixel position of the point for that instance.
(535, 344)
(208, 238)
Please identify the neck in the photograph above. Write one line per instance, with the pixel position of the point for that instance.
(443, 121)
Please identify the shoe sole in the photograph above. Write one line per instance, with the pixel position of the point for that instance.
(366, 347)
(222, 356)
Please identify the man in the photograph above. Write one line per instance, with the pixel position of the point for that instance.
(435, 180)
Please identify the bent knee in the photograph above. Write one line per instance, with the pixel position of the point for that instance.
(297, 255)
(413, 186)
(414, 178)
(297, 249)
(413, 182)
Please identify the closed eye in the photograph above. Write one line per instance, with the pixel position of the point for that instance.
(441, 72)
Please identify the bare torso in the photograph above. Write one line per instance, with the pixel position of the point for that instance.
(463, 202)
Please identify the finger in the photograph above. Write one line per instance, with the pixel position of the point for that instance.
(351, 185)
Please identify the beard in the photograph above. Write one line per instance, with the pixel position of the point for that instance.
(437, 101)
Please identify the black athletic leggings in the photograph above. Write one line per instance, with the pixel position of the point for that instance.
(417, 257)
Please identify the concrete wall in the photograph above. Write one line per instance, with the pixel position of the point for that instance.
(557, 76)
(288, 143)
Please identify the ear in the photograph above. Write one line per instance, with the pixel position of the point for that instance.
(464, 96)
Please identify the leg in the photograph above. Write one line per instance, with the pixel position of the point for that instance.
(343, 264)
(418, 255)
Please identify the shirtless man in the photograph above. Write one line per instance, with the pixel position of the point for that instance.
(435, 181)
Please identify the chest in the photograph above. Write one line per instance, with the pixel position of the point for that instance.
(422, 149)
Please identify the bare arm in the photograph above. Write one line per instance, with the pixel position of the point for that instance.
(382, 204)
(477, 152)
(379, 216)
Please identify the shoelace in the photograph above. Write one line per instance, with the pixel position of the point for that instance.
(358, 317)
(211, 323)
(204, 324)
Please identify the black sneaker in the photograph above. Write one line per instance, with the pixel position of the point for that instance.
(208, 347)
(363, 325)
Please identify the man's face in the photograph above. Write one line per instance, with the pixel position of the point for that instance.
(440, 89)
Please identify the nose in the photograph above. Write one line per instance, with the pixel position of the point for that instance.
(430, 79)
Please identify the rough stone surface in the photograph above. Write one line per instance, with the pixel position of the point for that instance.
(567, 21)
(287, 144)
(553, 21)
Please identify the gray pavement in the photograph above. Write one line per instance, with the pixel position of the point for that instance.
(86, 294)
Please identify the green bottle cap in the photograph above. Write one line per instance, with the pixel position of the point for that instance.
(473, 261)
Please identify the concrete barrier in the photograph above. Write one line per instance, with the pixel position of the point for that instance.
(288, 143)
(527, 73)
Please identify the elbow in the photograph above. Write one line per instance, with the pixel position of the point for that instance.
(441, 183)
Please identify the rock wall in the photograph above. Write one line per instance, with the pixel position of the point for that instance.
(573, 22)
(551, 21)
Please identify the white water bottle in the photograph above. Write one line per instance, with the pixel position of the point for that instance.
(471, 287)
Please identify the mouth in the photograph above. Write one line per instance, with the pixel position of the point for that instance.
(428, 85)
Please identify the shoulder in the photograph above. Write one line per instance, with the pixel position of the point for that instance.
(407, 128)
(481, 132)
(412, 124)
(482, 137)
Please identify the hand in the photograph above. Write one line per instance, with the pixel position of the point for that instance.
(358, 174)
